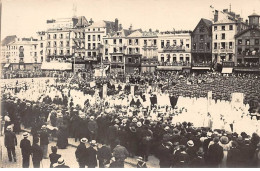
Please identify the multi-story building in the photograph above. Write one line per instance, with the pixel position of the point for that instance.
(149, 59)
(114, 51)
(248, 46)
(201, 39)
(225, 26)
(64, 41)
(20, 53)
(174, 50)
(94, 39)
(133, 52)
(41, 47)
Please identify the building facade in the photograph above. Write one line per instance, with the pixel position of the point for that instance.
(225, 26)
(174, 50)
(248, 46)
(201, 40)
(20, 53)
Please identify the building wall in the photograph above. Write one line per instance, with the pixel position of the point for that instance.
(41, 47)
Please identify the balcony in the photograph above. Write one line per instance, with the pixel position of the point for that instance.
(181, 63)
(173, 49)
(222, 50)
(202, 64)
(90, 58)
(249, 54)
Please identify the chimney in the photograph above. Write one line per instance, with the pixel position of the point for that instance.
(120, 27)
(216, 16)
(116, 24)
(130, 28)
(246, 22)
(225, 10)
(150, 30)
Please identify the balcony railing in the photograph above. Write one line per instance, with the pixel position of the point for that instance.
(249, 53)
(175, 63)
(202, 64)
(248, 65)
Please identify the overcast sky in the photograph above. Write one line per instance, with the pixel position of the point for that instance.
(25, 17)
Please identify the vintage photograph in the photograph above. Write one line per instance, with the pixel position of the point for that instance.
(130, 84)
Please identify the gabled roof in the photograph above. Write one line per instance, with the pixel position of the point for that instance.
(137, 33)
(82, 22)
(8, 39)
(245, 31)
(207, 23)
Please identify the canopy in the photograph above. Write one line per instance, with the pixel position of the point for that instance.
(201, 68)
(170, 68)
(227, 70)
(56, 66)
(6, 65)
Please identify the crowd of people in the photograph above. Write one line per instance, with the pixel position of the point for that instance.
(125, 125)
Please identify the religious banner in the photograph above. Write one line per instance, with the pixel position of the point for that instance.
(209, 97)
(104, 90)
(237, 100)
(132, 89)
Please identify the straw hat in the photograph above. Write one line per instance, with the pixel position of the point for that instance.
(84, 140)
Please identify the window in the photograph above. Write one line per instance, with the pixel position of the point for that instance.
(61, 43)
(201, 37)
(68, 52)
(120, 49)
(89, 45)
(239, 41)
(187, 59)
(136, 50)
(162, 59)
(230, 57)
(94, 54)
(130, 50)
(216, 36)
(83, 35)
(93, 29)
(223, 36)
(215, 28)
(61, 36)
(94, 45)
(239, 50)
(154, 42)
(162, 44)
(41, 45)
(230, 45)
(89, 38)
(230, 27)
(114, 58)
(98, 29)
(106, 51)
(89, 54)
(129, 60)
(256, 41)
(188, 46)
(223, 45)
(120, 59)
(61, 52)
(200, 46)
(35, 54)
(201, 29)
(247, 42)
(194, 46)
(54, 36)
(105, 41)
(167, 43)
(94, 37)
(114, 50)
(49, 36)
(114, 40)
(174, 59)
(136, 41)
(130, 41)
(208, 46)
(181, 42)
(120, 41)
(98, 37)
(55, 44)
(41, 37)
(174, 42)
(215, 45)
(145, 42)
(223, 28)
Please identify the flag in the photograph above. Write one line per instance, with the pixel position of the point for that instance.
(132, 89)
(104, 90)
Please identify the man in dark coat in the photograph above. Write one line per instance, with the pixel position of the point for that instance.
(44, 141)
(215, 154)
(81, 153)
(234, 156)
(165, 154)
(54, 156)
(112, 135)
(25, 146)
(120, 153)
(247, 154)
(198, 161)
(104, 155)
(10, 143)
(91, 155)
(92, 128)
(37, 153)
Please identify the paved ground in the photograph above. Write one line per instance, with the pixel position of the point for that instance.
(68, 155)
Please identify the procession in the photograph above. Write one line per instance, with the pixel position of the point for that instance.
(138, 121)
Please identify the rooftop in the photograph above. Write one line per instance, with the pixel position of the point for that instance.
(8, 39)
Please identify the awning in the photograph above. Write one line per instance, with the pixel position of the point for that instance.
(202, 68)
(6, 65)
(170, 68)
(248, 69)
(227, 70)
(56, 66)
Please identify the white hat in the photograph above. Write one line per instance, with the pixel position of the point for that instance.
(166, 128)
(139, 124)
(84, 140)
(61, 161)
(43, 126)
(25, 134)
(190, 143)
(209, 134)
(134, 120)
(93, 142)
(9, 127)
(92, 117)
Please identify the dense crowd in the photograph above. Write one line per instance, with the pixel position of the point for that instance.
(130, 128)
